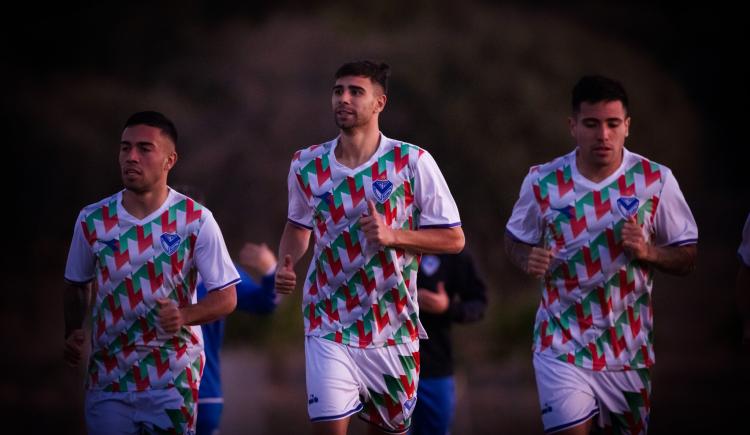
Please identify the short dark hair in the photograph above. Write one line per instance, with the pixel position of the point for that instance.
(595, 88)
(377, 72)
(153, 119)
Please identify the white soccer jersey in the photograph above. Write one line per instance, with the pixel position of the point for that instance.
(136, 262)
(355, 293)
(596, 310)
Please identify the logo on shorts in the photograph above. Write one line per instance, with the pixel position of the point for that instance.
(430, 264)
(628, 206)
(546, 409)
(170, 242)
(409, 404)
(312, 399)
(382, 189)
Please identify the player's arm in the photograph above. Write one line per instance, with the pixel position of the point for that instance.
(255, 294)
(76, 301)
(673, 247)
(471, 303)
(293, 245)
(533, 260)
(743, 300)
(429, 240)
(675, 260)
(215, 305)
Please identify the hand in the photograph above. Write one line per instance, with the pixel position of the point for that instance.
(286, 278)
(375, 229)
(538, 262)
(433, 302)
(170, 316)
(258, 259)
(633, 240)
(74, 348)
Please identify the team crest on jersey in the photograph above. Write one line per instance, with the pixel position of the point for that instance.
(430, 264)
(628, 206)
(382, 189)
(170, 242)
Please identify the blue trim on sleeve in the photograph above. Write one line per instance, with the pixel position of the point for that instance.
(684, 242)
(451, 225)
(222, 287)
(299, 224)
(572, 423)
(78, 283)
(513, 236)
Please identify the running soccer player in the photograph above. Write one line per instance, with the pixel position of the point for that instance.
(144, 246)
(373, 204)
(593, 225)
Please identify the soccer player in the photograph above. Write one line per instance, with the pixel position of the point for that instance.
(144, 246)
(373, 204)
(593, 225)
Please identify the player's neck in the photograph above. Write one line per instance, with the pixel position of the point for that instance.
(356, 146)
(596, 173)
(142, 204)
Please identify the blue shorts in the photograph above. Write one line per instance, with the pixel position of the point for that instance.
(209, 416)
(433, 414)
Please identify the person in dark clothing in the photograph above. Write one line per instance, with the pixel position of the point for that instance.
(450, 291)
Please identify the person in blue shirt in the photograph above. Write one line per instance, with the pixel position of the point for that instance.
(255, 294)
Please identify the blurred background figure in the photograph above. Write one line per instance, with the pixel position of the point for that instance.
(256, 265)
(743, 284)
(449, 291)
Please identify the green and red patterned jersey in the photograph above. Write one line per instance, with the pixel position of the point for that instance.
(596, 309)
(135, 262)
(356, 293)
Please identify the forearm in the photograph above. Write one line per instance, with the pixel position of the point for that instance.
(215, 305)
(430, 241)
(517, 252)
(675, 260)
(76, 304)
(294, 242)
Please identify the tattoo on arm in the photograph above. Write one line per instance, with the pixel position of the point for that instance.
(517, 252)
(675, 260)
(76, 303)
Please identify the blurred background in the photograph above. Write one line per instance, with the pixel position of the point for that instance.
(484, 86)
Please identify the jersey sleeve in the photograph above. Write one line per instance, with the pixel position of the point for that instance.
(744, 249)
(525, 223)
(253, 297)
(81, 263)
(299, 208)
(674, 224)
(432, 196)
(212, 259)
